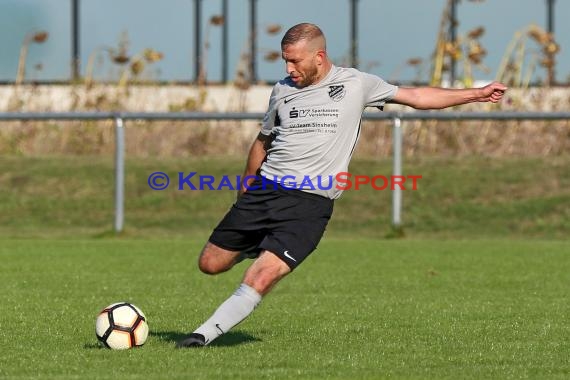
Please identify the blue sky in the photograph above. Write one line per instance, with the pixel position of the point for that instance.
(390, 32)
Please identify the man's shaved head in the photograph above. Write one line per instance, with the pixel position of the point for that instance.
(310, 33)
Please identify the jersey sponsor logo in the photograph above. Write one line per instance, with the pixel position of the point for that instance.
(336, 93)
(287, 255)
(313, 112)
(295, 113)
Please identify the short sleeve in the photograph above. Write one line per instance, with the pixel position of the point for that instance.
(376, 91)
(269, 120)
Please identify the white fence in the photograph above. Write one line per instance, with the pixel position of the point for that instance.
(397, 119)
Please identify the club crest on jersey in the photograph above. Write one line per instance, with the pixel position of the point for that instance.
(336, 93)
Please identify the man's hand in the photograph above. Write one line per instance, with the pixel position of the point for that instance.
(493, 92)
(244, 186)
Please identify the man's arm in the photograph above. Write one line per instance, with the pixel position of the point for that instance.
(437, 98)
(257, 154)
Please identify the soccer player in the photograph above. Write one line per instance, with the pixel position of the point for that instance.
(309, 131)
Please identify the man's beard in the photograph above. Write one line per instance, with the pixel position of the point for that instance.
(309, 78)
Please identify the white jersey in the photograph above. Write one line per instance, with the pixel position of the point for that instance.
(315, 129)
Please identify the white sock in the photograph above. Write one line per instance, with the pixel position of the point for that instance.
(234, 310)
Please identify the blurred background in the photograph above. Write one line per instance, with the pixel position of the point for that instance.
(481, 178)
(218, 40)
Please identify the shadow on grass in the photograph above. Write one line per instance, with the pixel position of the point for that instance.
(231, 338)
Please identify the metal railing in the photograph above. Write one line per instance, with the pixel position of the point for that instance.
(396, 117)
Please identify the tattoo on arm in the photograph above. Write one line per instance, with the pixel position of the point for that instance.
(266, 140)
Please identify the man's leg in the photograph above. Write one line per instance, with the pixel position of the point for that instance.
(258, 280)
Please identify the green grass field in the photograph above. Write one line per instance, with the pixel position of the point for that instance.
(476, 289)
(470, 309)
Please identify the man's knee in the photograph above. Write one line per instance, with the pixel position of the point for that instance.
(208, 265)
(214, 260)
(265, 272)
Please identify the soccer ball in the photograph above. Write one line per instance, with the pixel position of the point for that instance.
(121, 325)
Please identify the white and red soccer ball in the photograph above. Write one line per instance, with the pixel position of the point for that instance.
(121, 325)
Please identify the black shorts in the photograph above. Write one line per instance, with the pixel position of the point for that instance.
(286, 222)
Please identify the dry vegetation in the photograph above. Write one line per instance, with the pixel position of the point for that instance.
(191, 139)
(484, 138)
(197, 138)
